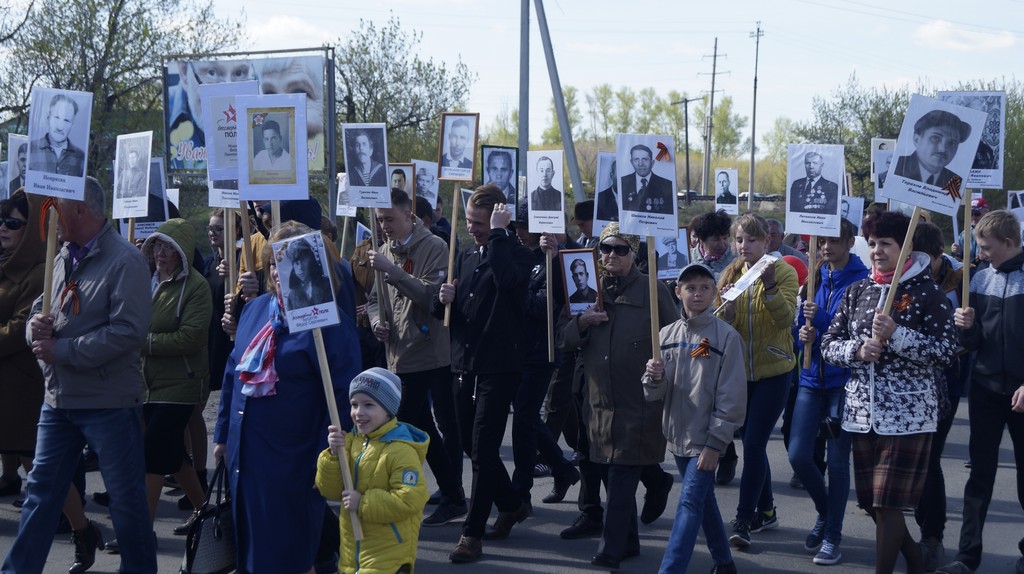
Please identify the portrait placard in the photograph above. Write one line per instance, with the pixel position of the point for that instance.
(272, 161)
(500, 165)
(1015, 203)
(879, 144)
(727, 186)
(673, 254)
(220, 124)
(362, 233)
(987, 167)
(883, 159)
(581, 282)
(344, 209)
(304, 273)
(184, 104)
(852, 209)
(17, 161)
(815, 174)
(647, 184)
(466, 194)
(58, 133)
(366, 163)
(457, 148)
(223, 193)
(426, 180)
(545, 206)
(934, 151)
(131, 175)
(400, 175)
(156, 201)
(606, 199)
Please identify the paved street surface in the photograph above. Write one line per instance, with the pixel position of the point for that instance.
(534, 545)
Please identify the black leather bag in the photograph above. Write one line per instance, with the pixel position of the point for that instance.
(210, 542)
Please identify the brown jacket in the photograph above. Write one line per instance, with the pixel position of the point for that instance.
(21, 381)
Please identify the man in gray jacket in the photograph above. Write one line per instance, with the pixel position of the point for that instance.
(89, 348)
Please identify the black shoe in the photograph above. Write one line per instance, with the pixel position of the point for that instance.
(605, 561)
(540, 470)
(583, 527)
(656, 499)
(729, 568)
(18, 503)
(506, 520)
(101, 498)
(182, 529)
(11, 487)
(86, 541)
(112, 547)
(435, 498)
(726, 470)
(445, 513)
(562, 484)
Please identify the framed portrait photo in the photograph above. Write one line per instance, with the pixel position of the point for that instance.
(58, 120)
(581, 281)
(987, 167)
(305, 279)
(815, 177)
(272, 160)
(131, 174)
(426, 180)
(500, 165)
(402, 176)
(673, 254)
(366, 164)
(545, 199)
(457, 149)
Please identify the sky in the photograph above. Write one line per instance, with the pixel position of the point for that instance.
(809, 47)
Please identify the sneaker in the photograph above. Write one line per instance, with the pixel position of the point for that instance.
(955, 567)
(828, 555)
(740, 537)
(764, 521)
(541, 470)
(795, 482)
(813, 541)
(932, 553)
(583, 527)
(445, 513)
(729, 568)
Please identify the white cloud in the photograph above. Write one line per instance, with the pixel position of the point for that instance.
(942, 34)
(280, 32)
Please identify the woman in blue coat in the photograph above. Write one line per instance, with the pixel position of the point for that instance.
(270, 427)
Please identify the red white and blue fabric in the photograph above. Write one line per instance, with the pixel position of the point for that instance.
(256, 367)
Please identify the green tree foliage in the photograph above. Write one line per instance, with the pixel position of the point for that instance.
(111, 48)
(726, 130)
(504, 130)
(552, 134)
(384, 79)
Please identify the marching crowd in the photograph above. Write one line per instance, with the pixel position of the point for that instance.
(428, 362)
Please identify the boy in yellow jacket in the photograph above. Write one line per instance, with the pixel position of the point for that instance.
(389, 491)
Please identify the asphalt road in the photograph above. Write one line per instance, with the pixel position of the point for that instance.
(534, 545)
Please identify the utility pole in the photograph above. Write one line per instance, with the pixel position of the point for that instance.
(753, 117)
(709, 120)
(524, 84)
(686, 138)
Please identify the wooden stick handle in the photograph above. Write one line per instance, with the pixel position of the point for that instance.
(451, 248)
(812, 275)
(550, 307)
(230, 247)
(131, 230)
(275, 213)
(652, 284)
(51, 253)
(246, 240)
(332, 408)
(378, 277)
(965, 299)
(344, 235)
(904, 253)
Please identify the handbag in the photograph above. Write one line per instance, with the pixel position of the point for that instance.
(210, 541)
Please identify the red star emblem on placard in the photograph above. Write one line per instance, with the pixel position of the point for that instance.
(257, 119)
(229, 114)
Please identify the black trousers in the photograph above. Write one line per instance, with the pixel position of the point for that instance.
(415, 410)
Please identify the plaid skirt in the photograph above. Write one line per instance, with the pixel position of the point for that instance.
(889, 470)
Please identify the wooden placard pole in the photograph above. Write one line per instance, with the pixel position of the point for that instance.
(904, 253)
(968, 236)
(332, 408)
(131, 230)
(451, 248)
(230, 247)
(344, 234)
(812, 276)
(378, 277)
(275, 213)
(246, 239)
(550, 306)
(51, 253)
(652, 286)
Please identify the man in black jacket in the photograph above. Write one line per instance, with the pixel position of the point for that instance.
(487, 293)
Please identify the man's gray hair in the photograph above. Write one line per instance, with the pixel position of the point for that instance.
(95, 200)
(772, 222)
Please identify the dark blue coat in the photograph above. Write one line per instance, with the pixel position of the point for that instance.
(273, 443)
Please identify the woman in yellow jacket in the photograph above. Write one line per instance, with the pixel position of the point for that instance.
(389, 490)
(763, 315)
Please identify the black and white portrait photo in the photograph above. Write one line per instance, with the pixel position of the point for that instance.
(271, 143)
(545, 196)
(646, 171)
(58, 133)
(934, 153)
(131, 174)
(500, 167)
(606, 203)
(17, 162)
(400, 176)
(727, 191)
(425, 181)
(366, 163)
(272, 158)
(673, 254)
(458, 146)
(852, 209)
(987, 167)
(581, 280)
(882, 159)
(879, 145)
(815, 174)
(304, 275)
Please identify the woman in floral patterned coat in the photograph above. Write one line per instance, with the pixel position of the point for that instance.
(893, 397)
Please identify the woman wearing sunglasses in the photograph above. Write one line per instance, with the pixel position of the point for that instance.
(624, 430)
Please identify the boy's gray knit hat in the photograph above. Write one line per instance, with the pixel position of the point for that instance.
(381, 385)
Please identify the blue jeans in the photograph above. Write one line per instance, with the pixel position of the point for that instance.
(811, 406)
(116, 437)
(765, 400)
(697, 509)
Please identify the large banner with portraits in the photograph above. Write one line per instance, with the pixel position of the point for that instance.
(814, 176)
(647, 184)
(58, 134)
(186, 138)
(987, 167)
(934, 153)
(272, 148)
(545, 198)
